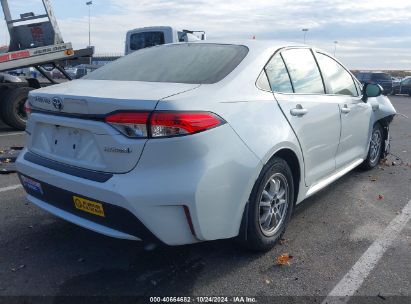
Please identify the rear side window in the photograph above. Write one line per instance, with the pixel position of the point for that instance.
(339, 80)
(192, 63)
(304, 73)
(146, 39)
(278, 76)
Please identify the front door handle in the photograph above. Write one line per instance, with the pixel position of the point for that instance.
(298, 111)
(345, 109)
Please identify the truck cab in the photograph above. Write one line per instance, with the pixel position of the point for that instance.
(156, 35)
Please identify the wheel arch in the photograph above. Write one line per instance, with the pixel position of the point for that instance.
(292, 160)
(385, 124)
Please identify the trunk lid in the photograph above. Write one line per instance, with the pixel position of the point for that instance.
(67, 121)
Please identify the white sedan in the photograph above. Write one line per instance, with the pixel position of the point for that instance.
(192, 142)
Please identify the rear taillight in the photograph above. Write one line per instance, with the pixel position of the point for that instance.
(165, 124)
(131, 124)
(27, 108)
(162, 124)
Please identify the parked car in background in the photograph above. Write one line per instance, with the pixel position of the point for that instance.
(383, 79)
(18, 72)
(190, 142)
(404, 87)
(395, 81)
(81, 70)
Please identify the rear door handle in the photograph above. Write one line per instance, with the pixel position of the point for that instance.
(298, 111)
(345, 109)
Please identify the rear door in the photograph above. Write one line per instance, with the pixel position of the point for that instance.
(298, 87)
(355, 114)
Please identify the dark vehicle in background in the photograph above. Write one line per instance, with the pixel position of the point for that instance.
(383, 79)
(404, 87)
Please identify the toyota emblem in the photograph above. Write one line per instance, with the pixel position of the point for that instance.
(58, 103)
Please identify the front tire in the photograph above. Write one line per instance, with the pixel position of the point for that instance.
(375, 149)
(270, 205)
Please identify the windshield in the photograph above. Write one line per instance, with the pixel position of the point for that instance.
(190, 63)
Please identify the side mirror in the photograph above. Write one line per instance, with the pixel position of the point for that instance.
(371, 90)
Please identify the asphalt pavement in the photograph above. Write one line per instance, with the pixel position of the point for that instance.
(335, 238)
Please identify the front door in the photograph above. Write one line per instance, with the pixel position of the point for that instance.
(355, 114)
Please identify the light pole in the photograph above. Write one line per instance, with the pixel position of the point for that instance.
(335, 47)
(305, 30)
(89, 3)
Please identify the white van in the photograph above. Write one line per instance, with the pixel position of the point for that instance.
(156, 35)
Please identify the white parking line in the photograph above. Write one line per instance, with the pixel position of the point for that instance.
(14, 187)
(11, 134)
(353, 280)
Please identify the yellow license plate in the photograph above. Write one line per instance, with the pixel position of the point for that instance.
(88, 206)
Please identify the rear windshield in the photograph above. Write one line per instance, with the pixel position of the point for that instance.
(146, 39)
(190, 63)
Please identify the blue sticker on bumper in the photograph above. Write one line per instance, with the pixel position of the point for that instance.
(31, 184)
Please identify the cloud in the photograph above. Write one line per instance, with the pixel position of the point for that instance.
(371, 34)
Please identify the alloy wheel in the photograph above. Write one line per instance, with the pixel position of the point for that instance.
(375, 145)
(273, 204)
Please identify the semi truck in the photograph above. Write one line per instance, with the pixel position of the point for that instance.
(35, 42)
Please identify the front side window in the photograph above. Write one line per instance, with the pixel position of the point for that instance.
(182, 37)
(339, 80)
(146, 39)
(304, 73)
(278, 76)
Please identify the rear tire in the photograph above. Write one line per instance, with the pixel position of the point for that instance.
(375, 148)
(3, 91)
(12, 107)
(270, 206)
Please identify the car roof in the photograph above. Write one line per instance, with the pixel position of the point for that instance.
(254, 44)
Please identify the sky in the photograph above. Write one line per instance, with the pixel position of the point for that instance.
(370, 34)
